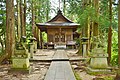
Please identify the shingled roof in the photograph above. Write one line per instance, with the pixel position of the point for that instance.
(58, 20)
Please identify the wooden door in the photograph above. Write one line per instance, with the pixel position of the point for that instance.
(57, 37)
(62, 37)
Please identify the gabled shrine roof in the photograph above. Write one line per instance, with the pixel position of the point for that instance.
(59, 18)
(57, 21)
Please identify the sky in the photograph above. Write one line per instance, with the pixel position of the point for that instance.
(55, 5)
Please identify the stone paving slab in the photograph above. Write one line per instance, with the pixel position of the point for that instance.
(60, 70)
(60, 55)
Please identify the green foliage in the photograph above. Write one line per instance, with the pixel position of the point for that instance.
(44, 37)
(108, 78)
(89, 12)
(77, 76)
(114, 60)
(28, 30)
(82, 13)
(2, 25)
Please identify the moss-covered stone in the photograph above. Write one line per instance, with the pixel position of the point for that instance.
(92, 71)
(98, 59)
(20, 53)
(98, 63)
(20, 63)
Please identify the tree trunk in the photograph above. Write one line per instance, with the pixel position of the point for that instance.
(37, 31)
(23, 28)
(95, 24)
(24, 25)
(109, 44)
(85, 30)
(10, 30)
(47, 11)
(118, 73)
(33, 19)
(95, 27)
(18, 20)
(119, 34)
(110, 33)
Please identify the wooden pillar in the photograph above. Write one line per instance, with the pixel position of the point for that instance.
(60, 35)
(40, 39)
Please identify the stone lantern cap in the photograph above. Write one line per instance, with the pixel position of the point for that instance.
(23, 38)
(32, 39)
(84, 39)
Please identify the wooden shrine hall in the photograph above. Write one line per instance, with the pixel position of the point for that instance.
(60, 31)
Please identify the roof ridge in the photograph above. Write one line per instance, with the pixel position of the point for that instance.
(59, 15)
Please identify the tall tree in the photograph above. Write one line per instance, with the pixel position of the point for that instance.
(33, 18)
(18, 20)
(95, 26)
(10, 30)
(24, 26)
(23, 17)
(119, 34)
(110, 32)
(118, 73)
(47, 10)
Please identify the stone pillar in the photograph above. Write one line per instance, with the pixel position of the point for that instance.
(35, 46)
(31, 50)
(84, 49)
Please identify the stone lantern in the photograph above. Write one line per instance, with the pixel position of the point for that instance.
(98, 59)
(20, 58)
(84, 45)
(32, 46)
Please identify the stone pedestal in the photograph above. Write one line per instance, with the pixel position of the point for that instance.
(20, 61)
(31, 50)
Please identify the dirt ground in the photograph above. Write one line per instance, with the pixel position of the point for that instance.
(39, 68)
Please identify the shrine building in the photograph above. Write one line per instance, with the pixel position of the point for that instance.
(60, 31)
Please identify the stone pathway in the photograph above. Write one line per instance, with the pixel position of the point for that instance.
(60, 55)
(60, 70)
